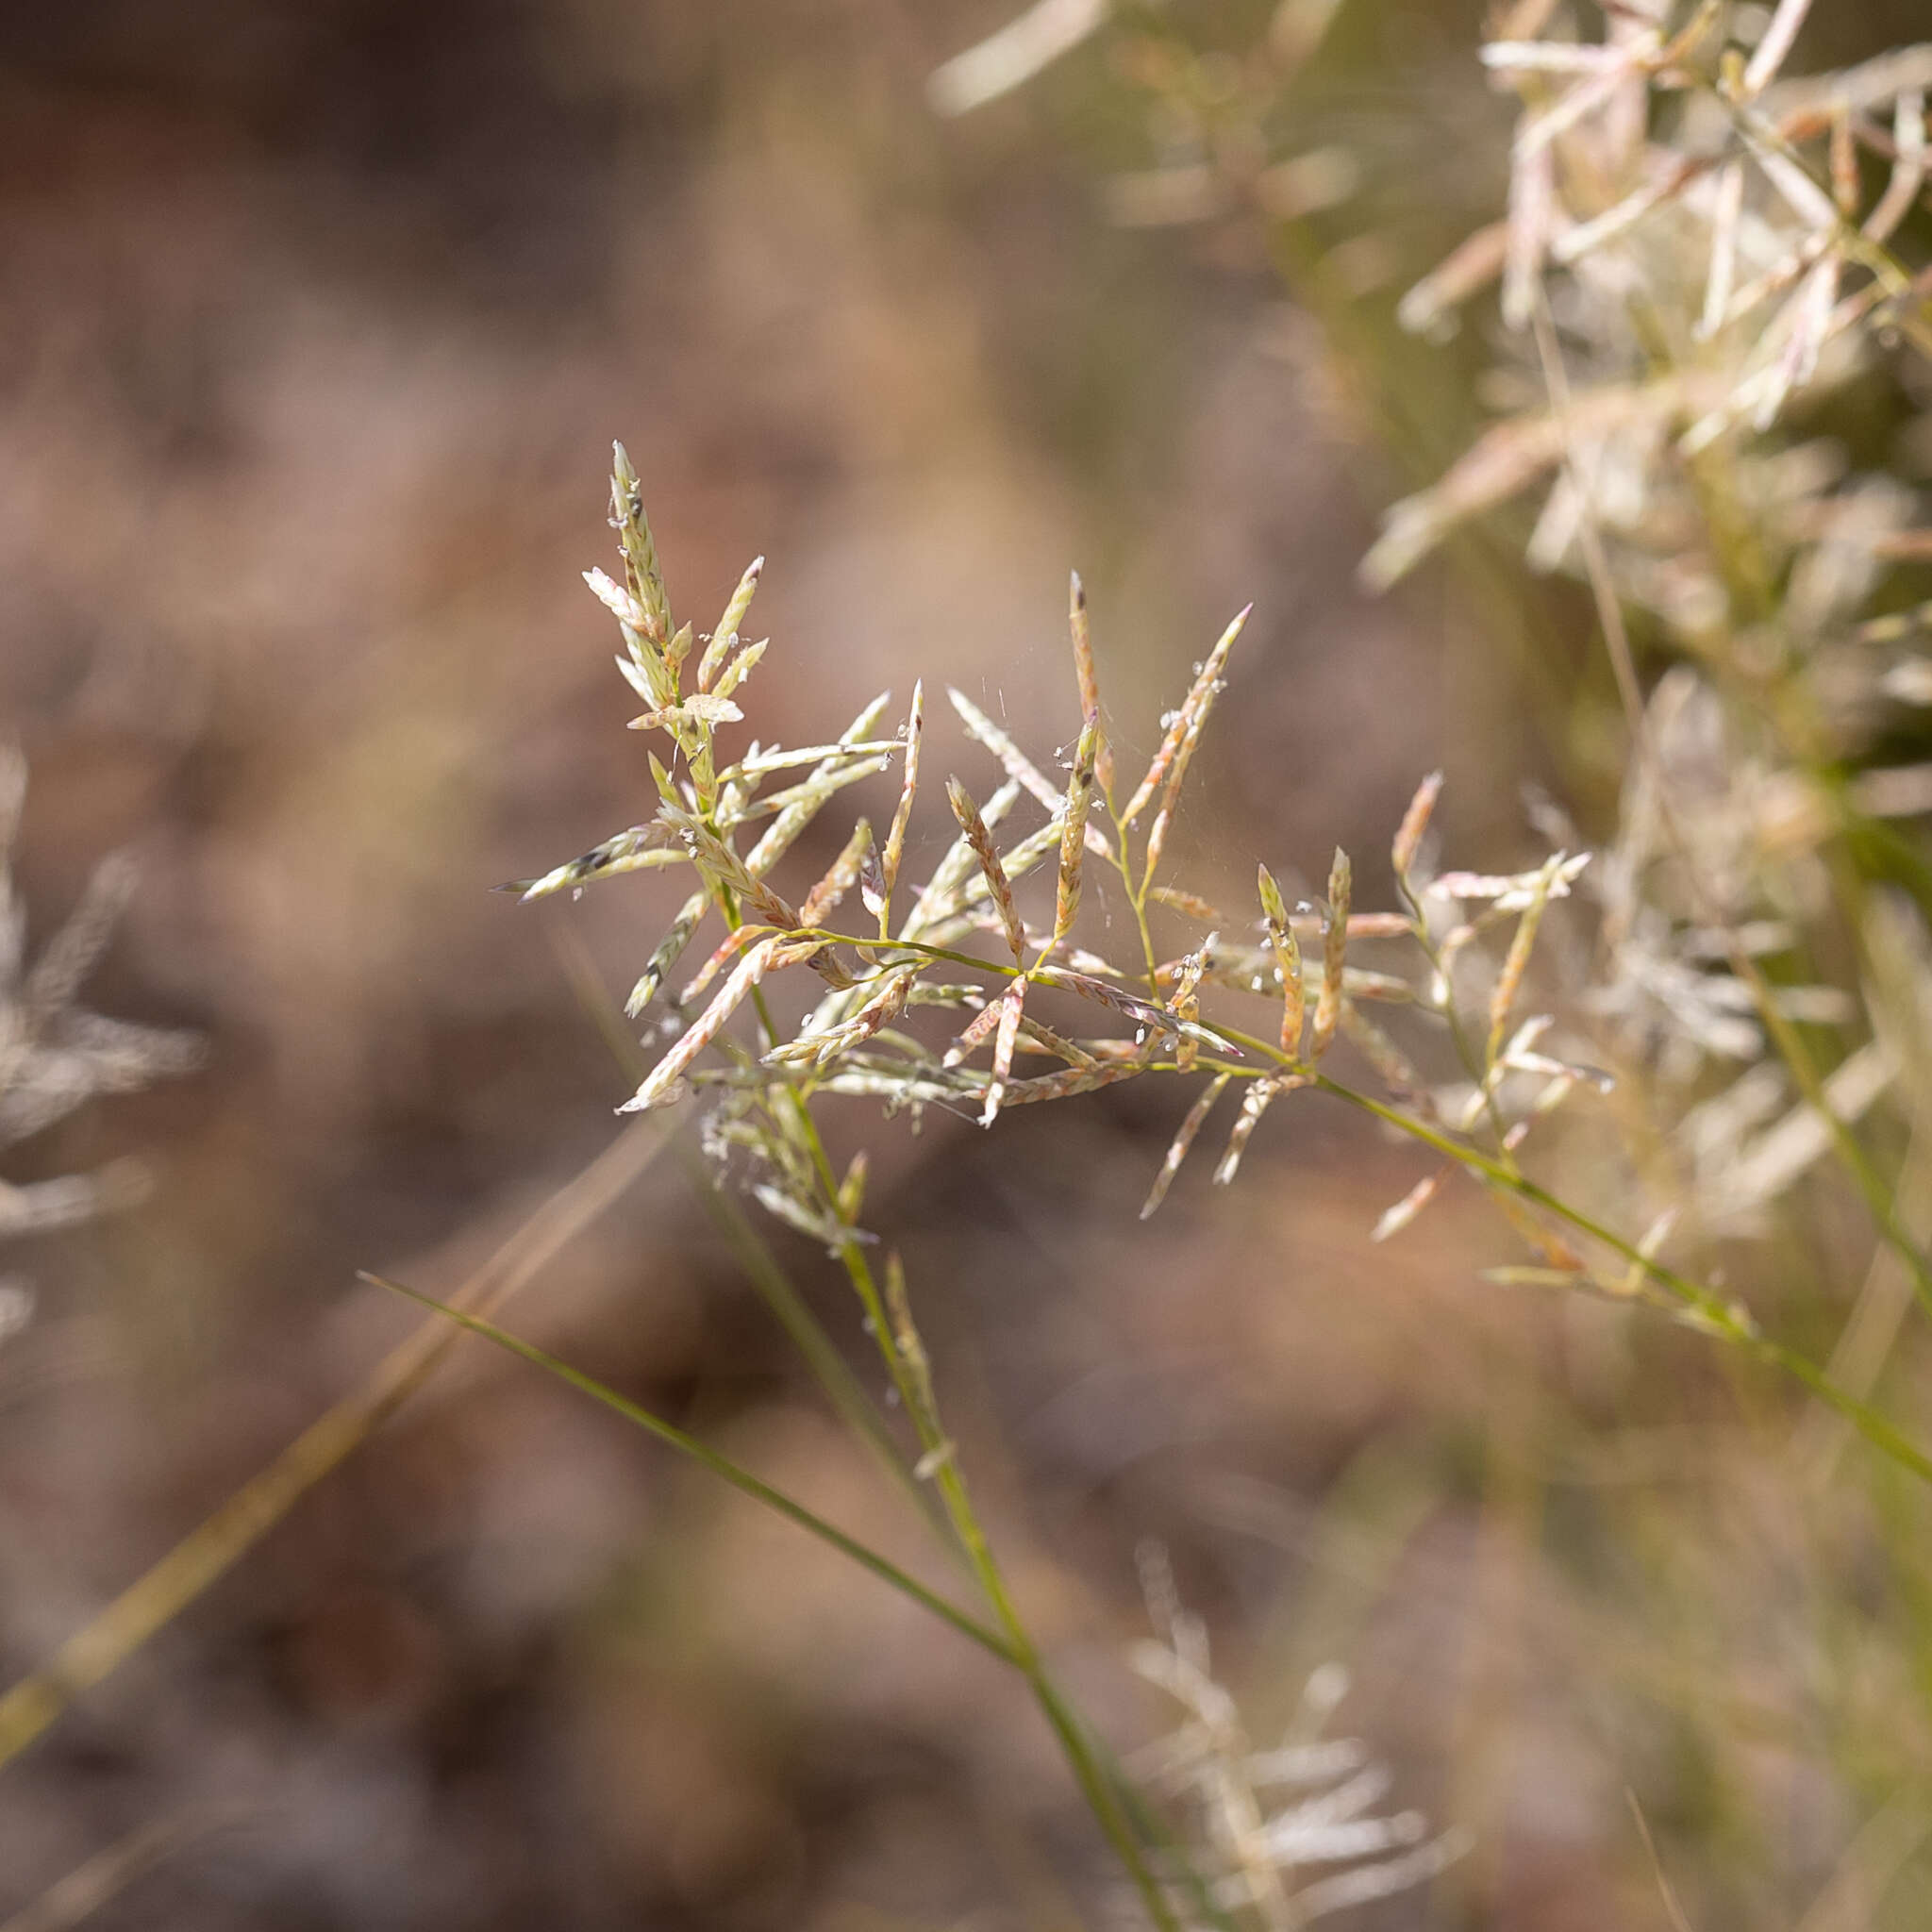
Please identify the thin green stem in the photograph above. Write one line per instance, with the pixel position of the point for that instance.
(741, 1479)
(1095, 1783)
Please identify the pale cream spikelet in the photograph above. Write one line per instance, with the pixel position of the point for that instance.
(902, 815)
(1334, 945)
(1287, 961)
(1412, 1203)
(645, 579)
(1509, 981)
(723, 640)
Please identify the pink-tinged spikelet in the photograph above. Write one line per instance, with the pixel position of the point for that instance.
(661, 1084)
(1415, 821)
(973, 828)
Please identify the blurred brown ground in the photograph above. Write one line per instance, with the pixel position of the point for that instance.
(316, 322)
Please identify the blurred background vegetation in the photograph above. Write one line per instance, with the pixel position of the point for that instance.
(318, 323)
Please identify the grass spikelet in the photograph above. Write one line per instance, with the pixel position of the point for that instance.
(1186, 996)
(1138, 1007)
(1509, 981)
(838, 880)
(941, 895)
(688, 714)
(1012, 1007)
(1415, 821)
(902, 814)
(1073, 824)
(645, 579)
(973, 1035)
(1197, 1116)
(806, 1218)
(1074, 1080)
(1254, 1104)
(1412, 1203)
(723, 954)
(740, 667)
(1184, 728)
(1013, 762)
(725, 639)
(879, 1011)
(616, 600)
(806, 800)
(1334, 945)
(728, 875)
(1287, 961)
(669, 951)
(978, 838)
(1017, 765)
(1088, 675)
(641, 847)
(1192, 904)
(661, 1085)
